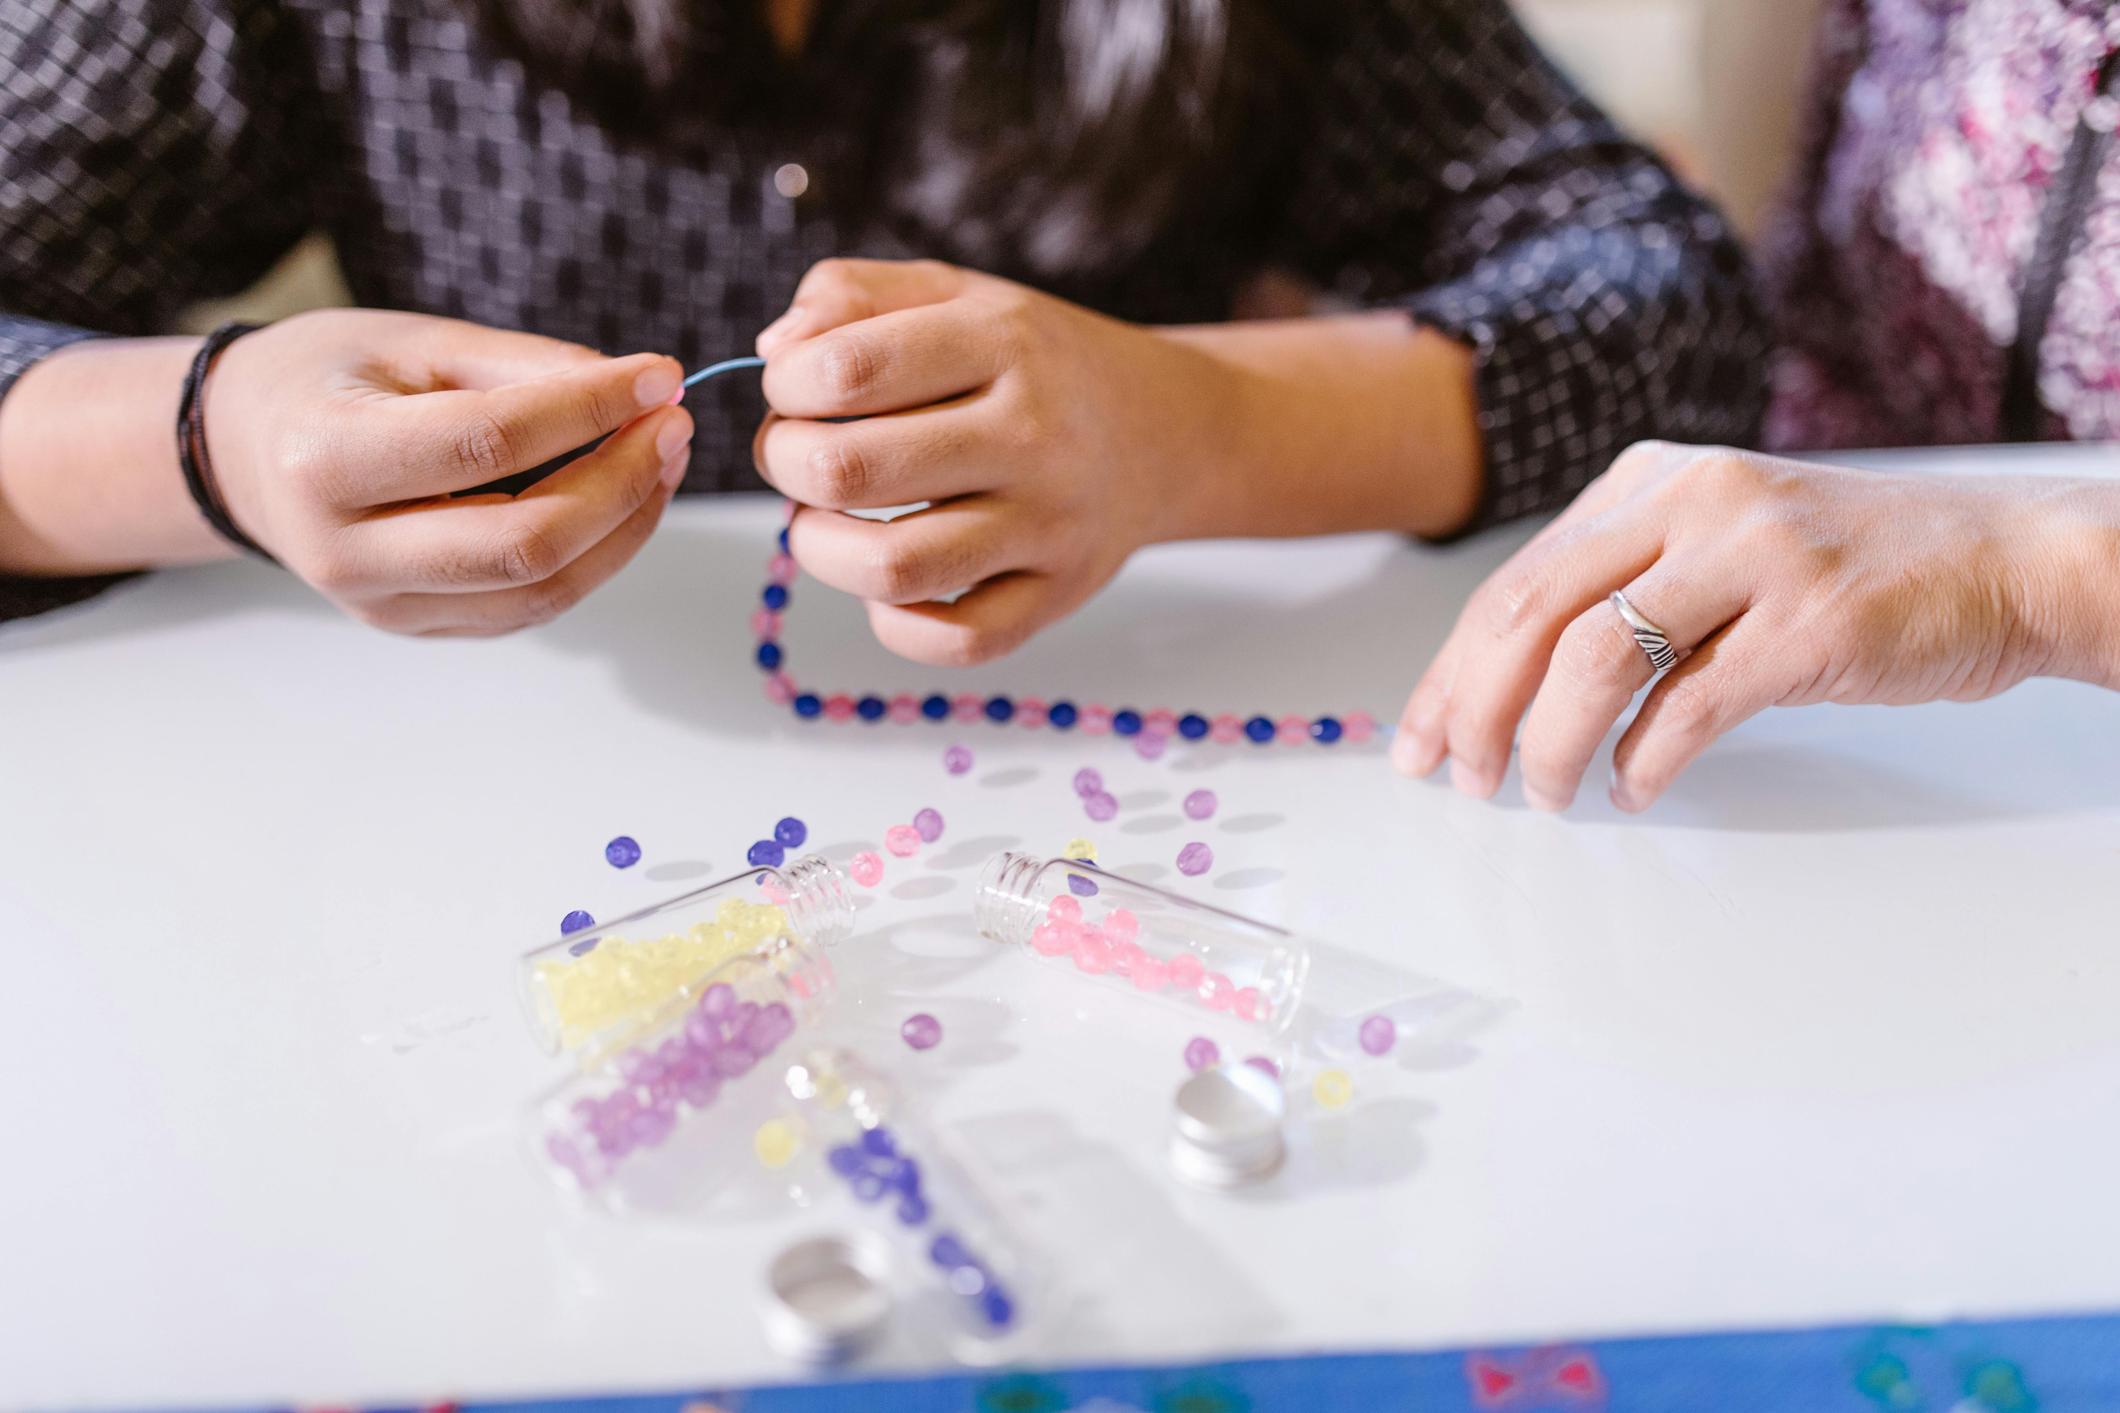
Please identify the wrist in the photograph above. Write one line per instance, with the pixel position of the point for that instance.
(2072, 584)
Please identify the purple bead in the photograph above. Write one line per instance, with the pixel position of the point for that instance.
(1088, 782)
(622, 852)
(957, 760)
(763, 1032)
(1261, 1063)
(1195, 859)
(1080, 886)
(1201, 1053)
(903, 1174)
(1377, 1035)
(718, 1001)
(703, 1032)
(928, 825)
(791, 832)
(996, 1307)
(948, 1252)
(1149, 745)
(867, 1186)
(878, 1143)
(733, 1061)
(767, 853)
(844, 1159)
(922, 1031)
(912, 1209)
(575, 922)
(1200, 804)
(699, 1090)
(1100, 807)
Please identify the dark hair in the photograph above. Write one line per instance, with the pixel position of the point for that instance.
(1050, 138)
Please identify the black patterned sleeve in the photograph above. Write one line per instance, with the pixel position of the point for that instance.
(151, 154)
(1456, 174)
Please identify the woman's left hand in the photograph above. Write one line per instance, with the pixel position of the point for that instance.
(1047, 442)
(1780, 584)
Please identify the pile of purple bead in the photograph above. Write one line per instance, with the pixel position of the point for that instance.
(723, 1038)
(875, 1168)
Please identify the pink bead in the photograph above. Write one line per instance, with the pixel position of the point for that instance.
(1225, 728)
(1150, 974)
(1095, 721)
(1126, 956)
(839, 707)
(1162, 721)
(902, 840)
(1248, 1004)
(1217, 991)
(866, 868)
(1030, 713)
(904, 708)
(1149, 745)
(773, 893)
(765, 623)
(1358, 726)
(781, 569)
(1122, 925)
(1186, 971)
(1093, 954)
(1053, 940)
(1066, 907)
(780, 688)
(1292, 731)
(967, 707)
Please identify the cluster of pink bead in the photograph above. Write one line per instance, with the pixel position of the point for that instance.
(903, 840)
(1111, 947)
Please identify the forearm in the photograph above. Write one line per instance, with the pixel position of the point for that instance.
(89, 480)
(1330, 424)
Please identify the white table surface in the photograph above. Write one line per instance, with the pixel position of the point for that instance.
(1832, 1034)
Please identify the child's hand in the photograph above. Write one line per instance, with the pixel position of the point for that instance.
(338, 437)
(1048, 441)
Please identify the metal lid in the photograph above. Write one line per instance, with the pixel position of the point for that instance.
(826, 1297)
(1226, 1127)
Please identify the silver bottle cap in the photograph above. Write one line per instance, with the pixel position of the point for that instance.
(1226, 1127)
(826, 1298)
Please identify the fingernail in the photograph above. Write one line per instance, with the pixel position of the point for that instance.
(772, 332)
(1406, 754)
(1468, 781)
(656, 386)
(673, 435)
(1539, 800)
(674, 471)
(1621, 795)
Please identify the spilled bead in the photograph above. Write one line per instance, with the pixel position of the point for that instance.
(1079, 848)
(1088, 782)
(928, 825)
(766, 853)
(957, 759)
(866, 868)
(775, 1143)
(791, 832)
(1200, 804)
(902, 840)
(622, 852)
(1332, 1088)
(1377, 1035)
(1195, 859)
(1202, 1053)
(1102, 807)
(922, 1031)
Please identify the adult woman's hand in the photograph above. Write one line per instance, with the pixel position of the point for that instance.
(1046, 442)
(341, 441)
(1779, 583)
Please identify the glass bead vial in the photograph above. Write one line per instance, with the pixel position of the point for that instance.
(662, 1124)
(1130, 936)
(593, 988)
(968, 1268)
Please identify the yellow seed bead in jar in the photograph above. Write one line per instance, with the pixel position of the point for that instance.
(1081, 849)
(1332, 1089)
(775, 1143)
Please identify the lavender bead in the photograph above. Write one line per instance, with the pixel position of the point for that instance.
(1377, 1035)
(957, 760)
(1100, 806)
(1149, 745)
(928, 825)
(1201, 1053)
(1088, 782)
(622, 852)
(733, 1061)
(1200, 804)
(922, 1031)
(1195, 859)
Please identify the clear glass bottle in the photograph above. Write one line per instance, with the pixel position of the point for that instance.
(1131, 936)
(664, 1122)
(964, 1258)
(592, 989)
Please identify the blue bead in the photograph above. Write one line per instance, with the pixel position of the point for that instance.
(913, 1210)
(1061, 715)
(1192, 726)
(769, 655)
(995, 1306)
(905, 1175)
(776, 596)
(935, 707)
(791, 832)
(1325, 730)
(808, 704)
(948, 1252)
(867, 1186)
(575, 922)
(1259, 729)
(999, 708)
(622, 852)
(845, 1159)
(870, 708)
(877, 1142)
(782, 537)
(766, 854)
(1126, 722)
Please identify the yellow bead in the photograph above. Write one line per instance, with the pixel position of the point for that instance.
(1332, 1088)
(775, 1143)
(1080, 849)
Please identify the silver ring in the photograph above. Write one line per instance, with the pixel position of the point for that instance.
(1654, 642)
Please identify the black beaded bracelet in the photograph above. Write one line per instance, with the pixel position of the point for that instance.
(191, 441)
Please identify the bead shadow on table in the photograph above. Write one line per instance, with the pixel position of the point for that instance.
(675, 627)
